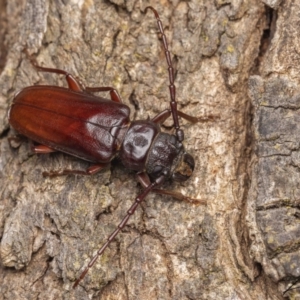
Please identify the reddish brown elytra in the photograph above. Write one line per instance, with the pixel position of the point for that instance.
(74, 121)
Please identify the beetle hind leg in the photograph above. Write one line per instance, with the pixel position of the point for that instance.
(89, 171)
(72, 82)
(114, 95)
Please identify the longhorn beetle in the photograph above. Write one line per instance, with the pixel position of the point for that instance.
(74, 121)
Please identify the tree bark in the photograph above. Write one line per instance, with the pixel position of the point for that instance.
(273, 200)
(51, 227)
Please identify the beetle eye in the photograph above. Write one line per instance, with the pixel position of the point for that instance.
(157, 171)
(173, 140)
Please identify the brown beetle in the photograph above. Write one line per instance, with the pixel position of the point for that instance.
(74, 121)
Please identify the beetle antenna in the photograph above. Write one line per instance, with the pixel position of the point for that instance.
(122, 224)
(173, 103)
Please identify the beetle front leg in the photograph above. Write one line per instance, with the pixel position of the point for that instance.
(197, 119)
(144, 180)
(164, 115)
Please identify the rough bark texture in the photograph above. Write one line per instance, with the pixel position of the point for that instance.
(50, 227)
(274, 198)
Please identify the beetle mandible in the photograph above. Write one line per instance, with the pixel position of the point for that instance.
(74, 121)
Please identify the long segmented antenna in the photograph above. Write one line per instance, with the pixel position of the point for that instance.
(122, 224)
(173, 103)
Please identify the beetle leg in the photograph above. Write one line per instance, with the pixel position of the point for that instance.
(72, 82)
(96, 168)
(181, 197)
(42, 149)
(144, 180)
(197, 119)
(114, 95)
(89, 171)
(163, 116)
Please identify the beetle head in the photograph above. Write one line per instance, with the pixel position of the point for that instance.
(167, 157)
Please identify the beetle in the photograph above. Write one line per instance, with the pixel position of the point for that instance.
(74, 121)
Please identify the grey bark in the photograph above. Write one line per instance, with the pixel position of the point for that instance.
(51, 227)
(273, 200)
